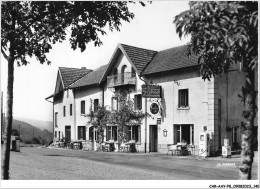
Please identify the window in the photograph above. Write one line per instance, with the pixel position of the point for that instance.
(70, 109)
(59, 135)
(81, 133)
(82, 107)
(68, 133)
(55, 134)
(114, 103)
(184, 133)
(138, 102)
(95, 105)
(56, 119)
(115, 75)
(134, 133)
(111, 133)
(64, 111)
(123, 74)
(183, 98)
(235, 134)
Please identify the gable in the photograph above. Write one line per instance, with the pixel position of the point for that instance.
(59, 85)
(139, 58)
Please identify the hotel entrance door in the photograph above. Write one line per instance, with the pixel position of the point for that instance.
(153, 138)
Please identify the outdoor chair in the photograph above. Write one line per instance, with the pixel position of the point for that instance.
(173, 149)
(191, 149)
(137, 146)
(103, 146)
(107, 145)
(124, 147)
(99, 146)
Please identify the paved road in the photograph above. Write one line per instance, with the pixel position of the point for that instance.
(59, 164)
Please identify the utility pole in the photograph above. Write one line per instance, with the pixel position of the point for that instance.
(19, 130)
(145, 125)
(2, 117)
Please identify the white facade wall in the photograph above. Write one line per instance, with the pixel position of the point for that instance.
(109, 92)
(68, 120)
(203, 109)
(87, 94)
(196, 114)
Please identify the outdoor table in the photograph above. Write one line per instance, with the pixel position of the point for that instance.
(110, 147)
(183, 149)
(77, 145)
(131, 146)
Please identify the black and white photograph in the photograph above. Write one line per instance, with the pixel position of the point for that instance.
(129, 94)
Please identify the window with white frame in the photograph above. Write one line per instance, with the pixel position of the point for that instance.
(64, 111)
(235, 134)
(184, 133)
(183, 98)
(96, 103)
(134, 133)
(138, 102)
(70, 109)
(111, 133)
(56, 119)
(81, 132)
(114, 103)
(82, 107)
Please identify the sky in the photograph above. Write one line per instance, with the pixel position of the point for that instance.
(152, 28)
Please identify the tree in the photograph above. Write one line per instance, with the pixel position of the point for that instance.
(125, 115)
(225, 33)
(98, 119)
(31, 28)
(15, 132)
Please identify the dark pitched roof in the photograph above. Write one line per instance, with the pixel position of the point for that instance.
(93, 77)
(170, 59)
(70, 75)
(140, 57)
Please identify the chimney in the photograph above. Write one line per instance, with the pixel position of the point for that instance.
(83, 68)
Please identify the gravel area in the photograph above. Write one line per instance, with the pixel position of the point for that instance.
(36, 163)
(34, 166)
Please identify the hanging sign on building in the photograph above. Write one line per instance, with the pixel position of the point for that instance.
(151, 91)
(154, 108)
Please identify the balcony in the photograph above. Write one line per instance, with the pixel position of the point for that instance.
(128, 78)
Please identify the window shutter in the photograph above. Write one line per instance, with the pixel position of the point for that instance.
(79, 130)
(187, 98)
(140, 102)
(139, 133)
(135, 103)
(179, 99)
(107, 133)
(84, 133)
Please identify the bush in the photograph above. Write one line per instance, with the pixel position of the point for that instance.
(36, 140)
